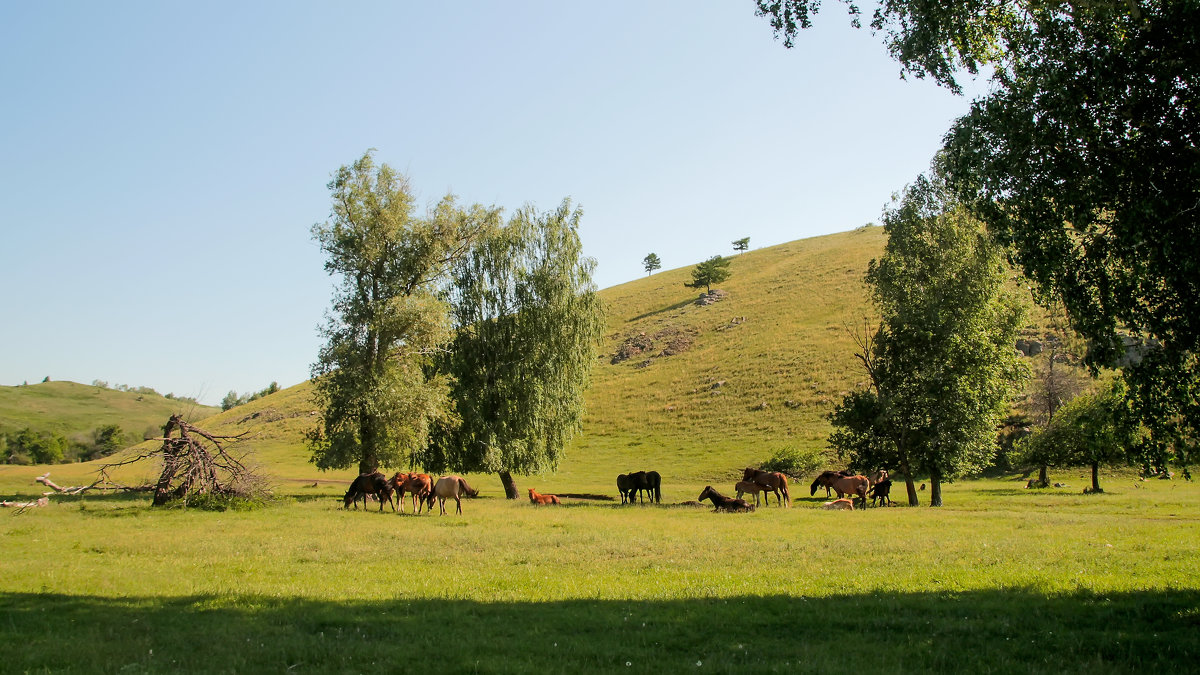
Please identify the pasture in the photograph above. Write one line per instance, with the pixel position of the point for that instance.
(1002, 579)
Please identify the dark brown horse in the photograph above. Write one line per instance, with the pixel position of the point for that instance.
(825, 480)
(881, 492)
(771, 481)
(650, 483)
(626, 487)
(723, 503)
(369, 484)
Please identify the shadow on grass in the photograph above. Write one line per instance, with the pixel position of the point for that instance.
(671, 308)
(995, 631)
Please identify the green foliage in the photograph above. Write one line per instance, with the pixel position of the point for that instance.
(528, 320)
(711, 271)
(375, 399)
(651, 263)
(742, 244)
(232, 400)
(794, 462)
(1095, 429)
(941, 363)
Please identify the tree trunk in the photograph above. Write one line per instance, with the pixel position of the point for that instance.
(935, 488)
(909, 484)
(1096, 477)
(510, 486)
(369, 460)
(1043, 477)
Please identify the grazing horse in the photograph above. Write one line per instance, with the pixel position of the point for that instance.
(881, 492)
(536, 498)
(419, 485)
(369, 484)
(773, 481)
(649, 482)
(852, 485)
(826, 479)
(748, 486)
(452, 487)
(626, 487)
(839, 505)
(723, 503)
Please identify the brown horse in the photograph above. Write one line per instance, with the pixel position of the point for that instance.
(536, 498)
(626, 487)
(419, 485)
(825, 480)
(452, 487)
(369, 484)
(722, 503)
(852, 485)
(748, 486)
(772, 481)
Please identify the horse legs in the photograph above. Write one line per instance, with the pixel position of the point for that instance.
(457, 505)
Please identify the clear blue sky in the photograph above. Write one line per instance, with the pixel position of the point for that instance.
(162, 163)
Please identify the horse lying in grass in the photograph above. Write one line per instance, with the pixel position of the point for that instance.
(369, 484)
(537, 499)
(771, 481)
(452, 487)
(722, 503)
(839, 505)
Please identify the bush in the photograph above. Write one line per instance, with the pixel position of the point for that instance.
(795, 462)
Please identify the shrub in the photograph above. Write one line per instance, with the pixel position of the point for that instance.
(794, 462)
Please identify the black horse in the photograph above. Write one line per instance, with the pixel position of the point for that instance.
(626, 487)
(645, 481)
(723, 503)
(369, 484)
(881, 492)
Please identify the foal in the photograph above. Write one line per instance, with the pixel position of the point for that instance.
(536, 499)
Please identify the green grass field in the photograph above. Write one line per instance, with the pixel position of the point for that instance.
(1002, 580)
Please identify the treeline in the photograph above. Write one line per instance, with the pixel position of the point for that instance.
(140, 390)
(30, 446)
(232, 400)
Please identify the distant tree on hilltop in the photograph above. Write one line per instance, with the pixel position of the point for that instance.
(651, 263)
(711, 271)
(742, 244)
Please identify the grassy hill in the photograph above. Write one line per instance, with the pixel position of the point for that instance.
(69, 409)
(718, 387)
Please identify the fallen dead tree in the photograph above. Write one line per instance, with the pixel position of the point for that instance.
(194, 462)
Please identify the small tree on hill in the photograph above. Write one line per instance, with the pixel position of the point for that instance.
(711, 271)
(651, 263)
(742, 244)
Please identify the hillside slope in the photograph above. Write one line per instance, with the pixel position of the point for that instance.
(69, 408)
(752, 373)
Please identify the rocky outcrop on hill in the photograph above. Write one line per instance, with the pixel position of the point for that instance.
(667, 342)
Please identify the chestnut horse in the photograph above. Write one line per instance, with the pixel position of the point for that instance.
(852, 485)
(772, 481)
(369, 484)
(723, 503)
(536, 498)
(825, 480)
(452, 487)
(419, 485)
(748, 486)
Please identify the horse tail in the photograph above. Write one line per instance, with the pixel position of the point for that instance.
(783, 486)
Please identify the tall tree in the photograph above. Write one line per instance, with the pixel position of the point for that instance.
(742, 244)
(527, 322)
(1084, 158)
(651, 263)
(375, 398)
(942, 364)
(711, 271)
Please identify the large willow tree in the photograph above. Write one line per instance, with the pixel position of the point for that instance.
(527, 322)
(376, 397)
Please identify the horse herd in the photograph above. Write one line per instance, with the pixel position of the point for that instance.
(424, 491)
(420, 486)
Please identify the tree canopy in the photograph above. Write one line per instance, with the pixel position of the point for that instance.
(651, 263)
(711, 271)
(388, 318)
(1085, 159)
(527, 322)
(941, 364)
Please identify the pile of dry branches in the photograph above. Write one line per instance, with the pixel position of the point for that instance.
(194, 463)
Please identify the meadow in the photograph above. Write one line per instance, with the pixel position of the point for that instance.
(1001, 580)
